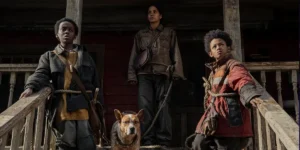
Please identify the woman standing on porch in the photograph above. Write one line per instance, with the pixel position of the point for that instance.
(153, 75)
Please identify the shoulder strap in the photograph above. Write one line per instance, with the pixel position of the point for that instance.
(217, 90)
(154, 38)
(74, 75)
(222, 80)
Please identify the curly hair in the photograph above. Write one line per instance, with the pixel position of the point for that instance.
(58, 22)
(214, 34)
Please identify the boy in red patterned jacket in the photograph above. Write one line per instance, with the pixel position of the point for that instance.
(230, 90)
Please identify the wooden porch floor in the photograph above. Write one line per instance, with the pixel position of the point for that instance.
(148, 148)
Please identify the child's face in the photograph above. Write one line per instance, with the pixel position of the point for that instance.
(218, 49)
(153, 14)
(66, 32)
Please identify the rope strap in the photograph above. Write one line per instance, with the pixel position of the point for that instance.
(70, 91)
(221, 94)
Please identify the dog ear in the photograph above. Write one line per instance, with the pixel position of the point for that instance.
(140, 115)
(118, 114)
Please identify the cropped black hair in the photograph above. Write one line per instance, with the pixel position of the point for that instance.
(58, 22)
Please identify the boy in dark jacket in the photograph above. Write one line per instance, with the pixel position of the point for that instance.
(71, 117)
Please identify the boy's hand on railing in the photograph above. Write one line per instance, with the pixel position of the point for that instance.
(26, 93)
(255, 102)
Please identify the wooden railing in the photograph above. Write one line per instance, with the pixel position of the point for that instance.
(23, 124)
(13, 69)
(20, 118)
(292, 68)
(273, 127)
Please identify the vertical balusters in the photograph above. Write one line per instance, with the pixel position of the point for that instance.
(27, 74)
(268, 134)
(3, 141)
(39, 126)
(255, 128)
(262, 124)
(278, 81)
(29, 131)
(295, 89)
(47, 135)
(262, 143)
(280, 102)
(12, 83)
(263, 78)
(16, 132)
(271, 137)
(279, 145)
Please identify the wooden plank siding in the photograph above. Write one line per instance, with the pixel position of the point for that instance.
(117, 93)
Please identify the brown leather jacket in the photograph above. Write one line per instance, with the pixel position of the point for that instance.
(165, 52)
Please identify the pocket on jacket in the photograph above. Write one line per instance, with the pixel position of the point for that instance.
(76, 102)
(164, 42)
(87, 73)
(235, 117)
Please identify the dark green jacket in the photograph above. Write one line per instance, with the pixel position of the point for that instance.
(50, 67)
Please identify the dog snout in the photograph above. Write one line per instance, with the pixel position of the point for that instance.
(132, 130)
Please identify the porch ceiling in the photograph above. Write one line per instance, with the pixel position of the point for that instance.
(129, 14)
(123, 3)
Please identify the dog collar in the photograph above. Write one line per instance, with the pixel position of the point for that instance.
(127, 145)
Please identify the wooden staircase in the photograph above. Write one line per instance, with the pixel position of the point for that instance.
(23, 124)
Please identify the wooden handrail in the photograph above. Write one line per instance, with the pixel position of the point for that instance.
(19, 110)
(280, 122)
(252, 66)
(18, 67)
(272, 66)
(270, 112)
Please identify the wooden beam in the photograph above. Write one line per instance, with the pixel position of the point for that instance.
(139, 3)
(127, 15)
(74, 11)
(231, 15)
(128, 18)
(18, 67)
(272, 66)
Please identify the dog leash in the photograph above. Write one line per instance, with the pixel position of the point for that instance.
(161, 106)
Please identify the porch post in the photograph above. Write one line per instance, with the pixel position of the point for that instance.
(231, 15)
(74, 11)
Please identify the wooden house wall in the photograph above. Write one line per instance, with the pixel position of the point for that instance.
(115, 48)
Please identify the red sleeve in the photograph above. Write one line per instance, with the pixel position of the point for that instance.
(240, 80)
(238, 77)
